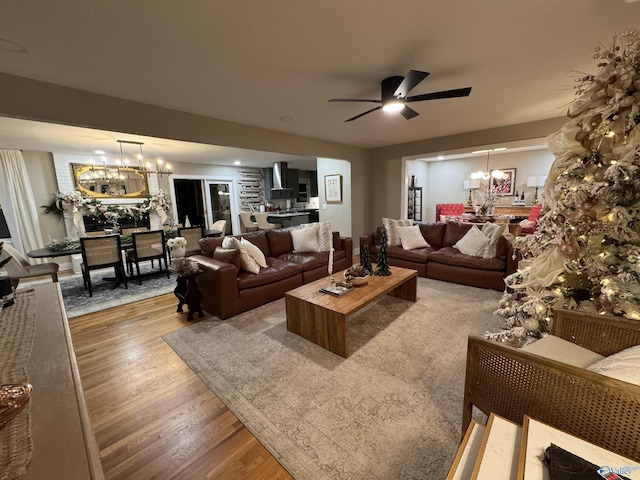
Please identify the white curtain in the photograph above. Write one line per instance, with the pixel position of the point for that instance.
(18, 204)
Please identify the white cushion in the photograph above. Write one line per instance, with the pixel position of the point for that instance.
(411, 237)
(472, 242)
(624, 365)
(563, 351)
(305, 239)
(230, 243)
(390, 224)
(254, 252)
(325, 235)
(493, 231)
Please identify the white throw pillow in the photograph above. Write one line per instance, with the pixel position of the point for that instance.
(493, 231)
(624, 365)
(472, 242)
(559, 349)
(411, 237)
(230, 243)
(254, 251)
(305, 239)
(325, 235)
(390, 224)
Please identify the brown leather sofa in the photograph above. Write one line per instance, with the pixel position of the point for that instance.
(443, 262)
(228, 290)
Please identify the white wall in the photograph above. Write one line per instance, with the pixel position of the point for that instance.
(338, 214)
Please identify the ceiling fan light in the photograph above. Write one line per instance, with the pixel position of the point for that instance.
(393, 106)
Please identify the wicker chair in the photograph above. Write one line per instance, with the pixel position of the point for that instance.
(147, 246)
(511, 382)
(101, 252)
(192, 235)
(19, 267)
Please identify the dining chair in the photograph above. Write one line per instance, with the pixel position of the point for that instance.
(147, 246)
(19, 267)
(192, 235)
(131, 231)
(101, 252)
(248, 224)
(220, 225)
(263, 223)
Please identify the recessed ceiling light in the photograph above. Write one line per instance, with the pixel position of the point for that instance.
(99, 152)
(441, 157)
(286, 118)
(237, 162)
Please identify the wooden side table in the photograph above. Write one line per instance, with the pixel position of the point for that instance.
(188, 293)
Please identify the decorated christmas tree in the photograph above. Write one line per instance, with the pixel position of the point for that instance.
(365, 259)
(585, 254)
(382, 269)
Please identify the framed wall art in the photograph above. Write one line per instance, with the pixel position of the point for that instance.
(504, 185)
(333, 188)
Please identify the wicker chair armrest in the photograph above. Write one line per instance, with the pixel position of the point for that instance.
(603, 334)
(511, 383)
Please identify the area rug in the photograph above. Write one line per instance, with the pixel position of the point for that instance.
(78, 302)
(392, 410)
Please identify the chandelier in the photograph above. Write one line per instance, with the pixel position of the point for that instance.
(160, 168)
(485, 175)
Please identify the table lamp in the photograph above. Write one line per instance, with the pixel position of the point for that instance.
(536, 182)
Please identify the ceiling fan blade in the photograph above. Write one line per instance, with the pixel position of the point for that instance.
(413, 78)
(363, 114)
(458, 92)
(353, 100)
(408, 113)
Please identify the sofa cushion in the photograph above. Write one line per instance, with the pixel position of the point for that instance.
(418, 255)
(228, 255)
(279, 241)
(260, 240)
(433, 233)
(454, 231)
(208, 245)
(473, 243)
(254, 251)
(308, 261)
(390, 224)
(305, 239)
(411, 237)
(559, 349)
(276, 271)
(451, 256)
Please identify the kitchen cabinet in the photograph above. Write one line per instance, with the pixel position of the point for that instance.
(313, 183)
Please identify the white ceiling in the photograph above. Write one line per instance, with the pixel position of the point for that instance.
(259, 62)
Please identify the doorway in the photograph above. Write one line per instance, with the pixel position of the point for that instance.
(189, 202)
(220, 204)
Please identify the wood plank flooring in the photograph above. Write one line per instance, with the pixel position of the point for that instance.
(151, 415)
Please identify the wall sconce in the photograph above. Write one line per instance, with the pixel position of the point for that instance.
(536, 182)
(471, 185)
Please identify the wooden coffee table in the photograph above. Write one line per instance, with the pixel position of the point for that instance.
(323, 319)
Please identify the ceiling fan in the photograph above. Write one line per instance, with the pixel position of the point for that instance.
(394, 95)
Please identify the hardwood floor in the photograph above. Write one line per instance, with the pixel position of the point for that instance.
(151, 415)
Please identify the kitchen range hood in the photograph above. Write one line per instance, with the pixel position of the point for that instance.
(280, 177)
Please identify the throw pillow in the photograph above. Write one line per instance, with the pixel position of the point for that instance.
(411, 237)
(232, 256)
(254, 251)
(472, 242)
(230, 243)
(325, 235)
(305, 239)
(624, 365)
(390, 225)
(493, 231)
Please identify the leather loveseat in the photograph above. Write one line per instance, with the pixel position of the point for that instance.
(442, 261)
(227, 290)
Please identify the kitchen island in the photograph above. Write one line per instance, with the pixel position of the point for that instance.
(288, 219)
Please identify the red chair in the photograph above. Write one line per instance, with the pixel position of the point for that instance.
(448, 210)
(534, 215)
